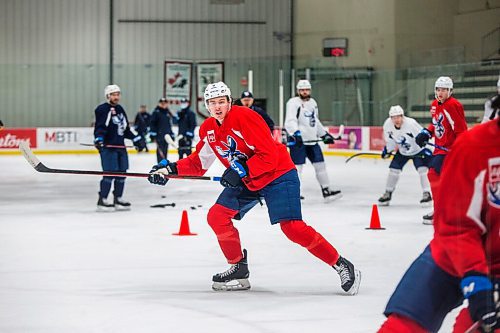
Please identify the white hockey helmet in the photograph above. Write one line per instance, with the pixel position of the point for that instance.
(303, 84)
(396, 110)
(112, 88)
(217, 89)
(444, 82)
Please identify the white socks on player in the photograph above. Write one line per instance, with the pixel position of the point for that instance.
(392, 179)
(424, 181)
(321, 174)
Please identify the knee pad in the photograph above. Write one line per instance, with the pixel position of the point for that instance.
(395, 172)
(108, 179)
(299, 232)
(423, 170)
(220, 216)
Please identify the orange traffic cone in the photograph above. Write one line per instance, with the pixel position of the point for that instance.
(375, 220)
(184, 228)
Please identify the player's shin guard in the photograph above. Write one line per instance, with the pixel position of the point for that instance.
(400, 324)
(321, 174)
(219, 219)
(392, 179)
(424, 179)
(299, 232)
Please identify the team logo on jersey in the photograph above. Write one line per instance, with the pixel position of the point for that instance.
(438, 126)
(494, 182)
(211, 136)
(230, 150)
(403, 144)
(311, 116)
(120, 121)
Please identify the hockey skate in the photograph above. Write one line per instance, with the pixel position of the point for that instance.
(428, 219)
(426, 199)
(330, 195)
(121, 204)
(235, 278)
(385, 199)
(104, 206)
(350, 277)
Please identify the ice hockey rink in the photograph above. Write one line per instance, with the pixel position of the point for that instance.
(66, 268)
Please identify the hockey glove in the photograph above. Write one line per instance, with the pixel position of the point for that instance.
(423, 137)
(139, 143)
(296, 139)
(478, 289)
(385, 154)
(159, 171)
(328, 138)
(99, 143)
(233, 175)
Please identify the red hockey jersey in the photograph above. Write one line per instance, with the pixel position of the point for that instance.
(467, 207)
(243, 135)
(448, 121)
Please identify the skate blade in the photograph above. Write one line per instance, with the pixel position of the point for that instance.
(355, 286)
(384, 204)
(122, 208)
(233, 285)
(428, 222)
(101, 209)
(426, 204)
(333, 197)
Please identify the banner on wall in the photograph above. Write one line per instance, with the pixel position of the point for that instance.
(377, 141)
(55, 138)
(351, 139)
(10, 138)
(177, 82)
(207, 72)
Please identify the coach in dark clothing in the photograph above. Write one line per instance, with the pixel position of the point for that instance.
(142, 122)
(247, 100)
(186, 120)
(161, 125)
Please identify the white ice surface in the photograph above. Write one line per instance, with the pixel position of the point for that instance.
(66, 268)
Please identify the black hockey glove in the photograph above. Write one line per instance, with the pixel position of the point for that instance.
(158, 172)
(328, 138)
(423, 137)
(478, 289)
(139, 143)
(385, 154)
(99, 143)
(233, 175)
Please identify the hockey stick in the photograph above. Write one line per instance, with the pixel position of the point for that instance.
(365, 153)
(438, 146)
(163, 205)
(40, 167)
(106, 146)
(337, 137)
(473, 328)
(171, 142)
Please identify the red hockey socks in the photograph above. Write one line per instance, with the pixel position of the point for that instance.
(464, 322)
(299, 232)
(219, 219)
(400, 324)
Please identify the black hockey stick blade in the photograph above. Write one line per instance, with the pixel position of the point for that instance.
(40, 167)
(365, 153)
(163, 205)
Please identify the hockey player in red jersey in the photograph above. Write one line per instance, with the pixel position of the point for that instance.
(257, 167)
(463, 258)
(448, 121)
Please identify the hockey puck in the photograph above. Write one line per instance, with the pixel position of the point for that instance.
(200, 206)
(193, 207)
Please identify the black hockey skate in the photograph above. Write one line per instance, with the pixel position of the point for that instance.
(428, 219)
(330, 195)
(385, 199)
(426, 199)
(350, 277)
(104, 206)
(235, 278)
(121, 204)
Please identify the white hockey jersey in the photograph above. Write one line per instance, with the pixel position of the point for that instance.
(404, 138)
(303, 116)
(489, 112)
